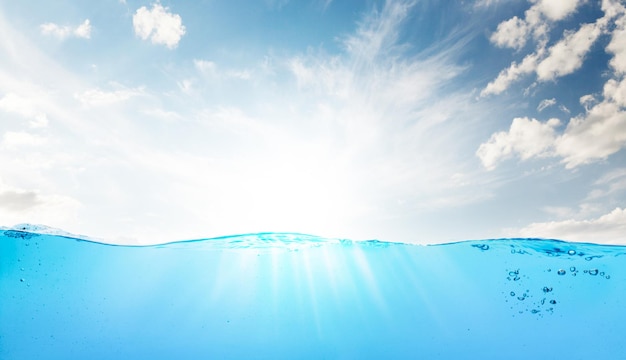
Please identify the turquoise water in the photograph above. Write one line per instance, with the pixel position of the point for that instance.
(293, 296)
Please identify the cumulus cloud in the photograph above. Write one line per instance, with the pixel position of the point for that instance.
(592, 136)
(511, 74)
(64, 31)
(608, 228)
(563, 58)
(557, 10)
(159, 25)
(567, 55)
(617, 46)
(511, 33)
(515, 32)
(526, 138)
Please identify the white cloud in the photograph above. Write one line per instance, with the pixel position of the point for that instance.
(617, 47)
(601, 130)
(158, 24)
(608, 228)
(62, 32)
(515, 32)
(567, 55)
(592, 136)
(526, 138)
(98, 97)
(511, 33)
(562, 58)
(557, 10)
(511, 74)
(546, 103)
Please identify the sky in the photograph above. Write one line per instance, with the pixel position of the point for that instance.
(422, 121)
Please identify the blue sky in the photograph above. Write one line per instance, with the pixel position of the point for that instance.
(414, 121)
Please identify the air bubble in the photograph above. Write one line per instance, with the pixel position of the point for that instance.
(572, 269)
(602, 273)
(561, 272)
(593, 272)
(572, 252)
(608, 277)
(512, 293)
(481, 246)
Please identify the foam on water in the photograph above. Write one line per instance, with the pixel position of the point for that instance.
(291, 296)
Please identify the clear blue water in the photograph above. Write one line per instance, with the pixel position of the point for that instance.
(291, 296)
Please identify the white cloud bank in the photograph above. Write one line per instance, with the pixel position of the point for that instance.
(608, 228)
(159, 25)
(63, 32)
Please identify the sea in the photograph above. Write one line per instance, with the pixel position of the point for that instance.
(298, 296)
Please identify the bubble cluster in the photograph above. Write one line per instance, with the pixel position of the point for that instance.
(545, 294)
(482, 247)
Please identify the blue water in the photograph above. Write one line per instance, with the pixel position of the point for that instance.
(292, 296)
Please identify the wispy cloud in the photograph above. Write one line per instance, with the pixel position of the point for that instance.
(546, 103)
(99, 97)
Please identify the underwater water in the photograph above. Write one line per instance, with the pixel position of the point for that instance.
(294, 296)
